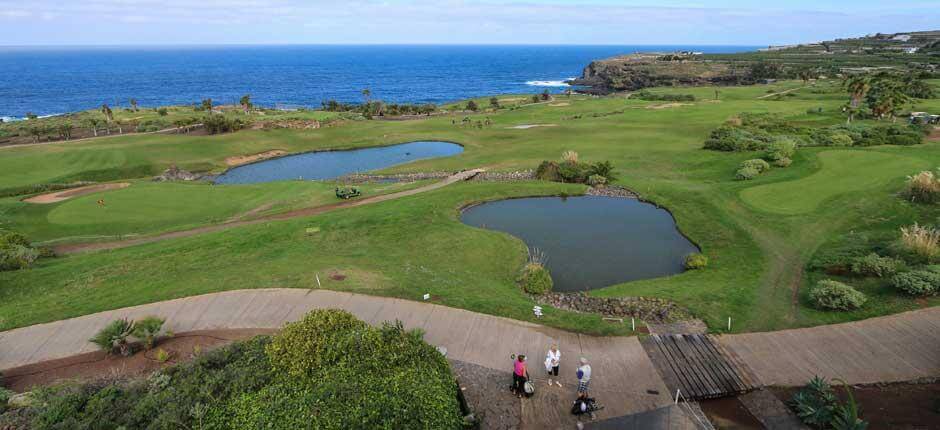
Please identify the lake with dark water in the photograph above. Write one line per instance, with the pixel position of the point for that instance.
(332, 164)
(591, 241)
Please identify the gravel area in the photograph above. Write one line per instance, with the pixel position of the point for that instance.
(487, 393)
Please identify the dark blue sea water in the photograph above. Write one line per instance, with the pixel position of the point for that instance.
(57, 80)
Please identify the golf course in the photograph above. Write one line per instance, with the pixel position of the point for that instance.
(765, 238)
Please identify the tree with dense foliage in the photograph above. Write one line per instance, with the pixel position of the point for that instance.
(65, 130)
(494, 102)
(92, 123)
(886, 97)
(245, 103)
(546, 95)
(857, 86)
(472, 106)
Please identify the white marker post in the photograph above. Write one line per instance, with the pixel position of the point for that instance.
(427, 297)
(729, 323)
(633, 323)
(318, 280)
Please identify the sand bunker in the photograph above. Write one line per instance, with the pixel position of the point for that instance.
(59, 196)
(528, 126)
(668, 105)
(559, 104)
(238, 160)
(512, 99)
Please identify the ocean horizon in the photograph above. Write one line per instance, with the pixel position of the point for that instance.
(53, 80)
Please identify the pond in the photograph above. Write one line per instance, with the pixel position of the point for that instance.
(591, 241)
(333, 164)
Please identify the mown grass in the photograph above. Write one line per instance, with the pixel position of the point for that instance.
(757, 234)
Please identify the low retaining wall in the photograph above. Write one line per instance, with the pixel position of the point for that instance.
(645, 308)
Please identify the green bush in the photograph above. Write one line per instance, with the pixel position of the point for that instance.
(572, 172)
(696, 261)
(815, 403)
(306, 345)
(216, 124)
(650, 96)
(596, 180)
(114, 337)
(834, 295)
(535, 279)
(841, 139)
(15, 251)
(876, 265)
(731, 138)
(162, 111)
(746, 174)
(783, 162)
(603, 168)
(917, 283)
(780, 148)
(548, 171)
(4, 399)
(147, 330)
(757, 164)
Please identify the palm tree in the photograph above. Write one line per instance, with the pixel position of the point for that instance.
(106, 110)
(886, 97)
(134, 104)
(366, 94)
(207, 105)
(246, 102)
(93, 124)
(858, 86)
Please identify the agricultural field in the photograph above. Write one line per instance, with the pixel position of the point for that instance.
(760, 235)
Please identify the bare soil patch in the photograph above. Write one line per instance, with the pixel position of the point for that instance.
(669, 105)
(59, 196)
(98, 365)
(528, 126)
(238, 160)
(560, 104)
(934, 135)
(908, 405)
(512, 99)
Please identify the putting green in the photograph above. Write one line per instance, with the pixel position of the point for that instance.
(842, 172)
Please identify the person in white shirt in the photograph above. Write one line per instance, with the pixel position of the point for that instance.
(584, 377)
(552, 361)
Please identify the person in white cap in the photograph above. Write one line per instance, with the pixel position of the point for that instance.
(584, 377)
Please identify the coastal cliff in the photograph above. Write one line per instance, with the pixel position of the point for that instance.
(636, 71)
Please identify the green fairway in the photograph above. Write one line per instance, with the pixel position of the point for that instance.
(149, 207)
(841, 172)
(758, 235)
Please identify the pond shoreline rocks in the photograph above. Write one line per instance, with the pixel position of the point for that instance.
(176, 174)
(648, 309)
(611, 191)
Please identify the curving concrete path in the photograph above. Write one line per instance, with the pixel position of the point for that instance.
(624, 377)
(74, 248)
(894, 348)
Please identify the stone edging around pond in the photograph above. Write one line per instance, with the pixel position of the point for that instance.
(611, 191)
(648, 309)
(522, 175)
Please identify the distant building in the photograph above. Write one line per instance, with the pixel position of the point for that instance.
(902, 37)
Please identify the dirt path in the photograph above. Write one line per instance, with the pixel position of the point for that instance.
(63, 195)
(780, 93)
(98, 246)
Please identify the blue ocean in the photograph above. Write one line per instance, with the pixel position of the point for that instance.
(55, 80)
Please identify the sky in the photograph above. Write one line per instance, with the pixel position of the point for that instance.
(605, 22)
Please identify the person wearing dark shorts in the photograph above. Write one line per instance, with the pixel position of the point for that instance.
(519, 375)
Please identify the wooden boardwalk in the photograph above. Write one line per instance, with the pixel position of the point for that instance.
(698, 366)
(894, 348)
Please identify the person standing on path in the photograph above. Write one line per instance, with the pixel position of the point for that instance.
(519, 375)
(584, 377)
(552, 361)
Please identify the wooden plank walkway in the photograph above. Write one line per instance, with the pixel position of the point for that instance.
(624, 378)
(696, 366)
(894, 348)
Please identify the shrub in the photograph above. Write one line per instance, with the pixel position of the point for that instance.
(596, 180)
(917, 283)
(216, 124)
(757, 164)
(923, 187)
(4, 399)
(730, 138)
(15, 251)
(535, 279)
(113, 337)
(780, 149)
(162, 355)
(162, 111)
(548, 171)
(876, 265)
(922, 242)
(815, 403)
(649, 96)
(841, 139)
(572, 172)
(603, 168)
(147, 330)
(472, 106)
(783, 162)
(829, 294)
(305, 345)
(569, 157)
(695, 261)
(746, 174)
